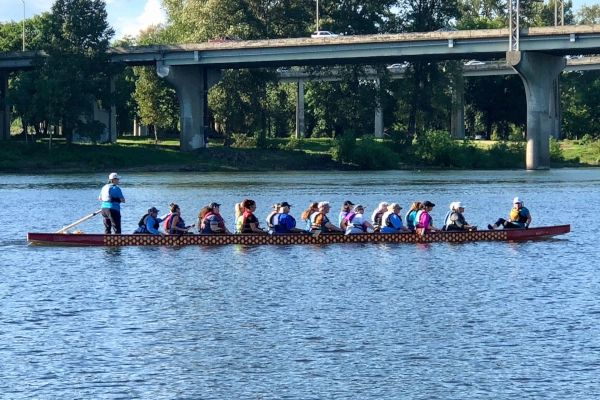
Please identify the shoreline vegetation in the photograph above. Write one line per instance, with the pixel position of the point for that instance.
(431, 151)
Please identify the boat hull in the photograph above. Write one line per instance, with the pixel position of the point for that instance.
(288, 239)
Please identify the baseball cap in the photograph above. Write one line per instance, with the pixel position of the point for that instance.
(284, 204)
(359, 207)
(428, 204)
(348, 203)
(213, 205)
(152, 210)
(393, 206)
(114, 175)
(517, 200)
(323, 204)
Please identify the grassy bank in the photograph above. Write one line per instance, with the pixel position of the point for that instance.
(137, 154)
(143, 155)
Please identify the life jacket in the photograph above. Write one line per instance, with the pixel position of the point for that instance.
(168, 222)
(105, 195)
(239, 224)
(377, 218)
(449, 224)
(447, 219)
(205, 228)
(350, 217)
(417, 219)
(516, 216)
(282, 228)
(410, 220)
(142, 224)
(316, 221)
(245, 216)
(273, 216)
(386, 219)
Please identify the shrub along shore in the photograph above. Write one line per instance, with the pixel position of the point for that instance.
(432, 150)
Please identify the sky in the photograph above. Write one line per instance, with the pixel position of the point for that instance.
(127, 17)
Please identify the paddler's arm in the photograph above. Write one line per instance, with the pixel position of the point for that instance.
(174, 225)
(256, 229)
(332, 227)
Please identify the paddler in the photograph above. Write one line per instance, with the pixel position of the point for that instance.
(248, 223)
(319, 220)
(519, 218)
(285, 222)
(150, 223)
(391, 221)
(424, 220)
(174, 224)
(111, 197)
(356, 222)
(212, 222)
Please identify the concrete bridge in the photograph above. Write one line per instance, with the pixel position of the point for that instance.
(194, 68)
(488, 68)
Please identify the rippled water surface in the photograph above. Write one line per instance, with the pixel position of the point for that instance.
(439, 321)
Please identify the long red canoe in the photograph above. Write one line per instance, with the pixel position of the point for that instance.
(287, 239)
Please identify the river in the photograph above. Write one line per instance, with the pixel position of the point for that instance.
(438, 321)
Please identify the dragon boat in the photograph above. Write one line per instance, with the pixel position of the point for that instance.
(82, 239)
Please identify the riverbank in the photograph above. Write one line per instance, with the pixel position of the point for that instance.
(143, 155)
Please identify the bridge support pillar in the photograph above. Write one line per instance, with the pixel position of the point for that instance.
(108, 117)
(5, 116)
(538, 72)
(300, 127)
(556, 109)
(457, 124)
(378, 116)
(192, 83)
(379, 123)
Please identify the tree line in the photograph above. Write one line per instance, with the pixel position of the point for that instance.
(75, 37)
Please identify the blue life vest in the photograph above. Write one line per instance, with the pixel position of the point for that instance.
(411, 222)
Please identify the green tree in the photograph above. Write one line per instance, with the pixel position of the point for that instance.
(76, 68)
(588, 15)
(155, 99)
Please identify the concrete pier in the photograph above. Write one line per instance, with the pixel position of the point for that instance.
(538, 72)
(5, 115)
(378, 115)
(300, 126)
(191, 83)
(457, 122)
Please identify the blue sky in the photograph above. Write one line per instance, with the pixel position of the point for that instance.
(127, 17)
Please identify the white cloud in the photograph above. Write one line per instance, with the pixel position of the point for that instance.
(152, 15)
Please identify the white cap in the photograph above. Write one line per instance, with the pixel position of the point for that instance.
(114, 175)
(517, 200)
(323, 204)
(456, 205)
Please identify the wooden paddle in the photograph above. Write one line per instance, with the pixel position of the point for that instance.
(66, 228)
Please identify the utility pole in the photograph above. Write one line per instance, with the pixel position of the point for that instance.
(513, 25)
(23, 24)
(317, 15)
(559, 12)
(513, 22)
